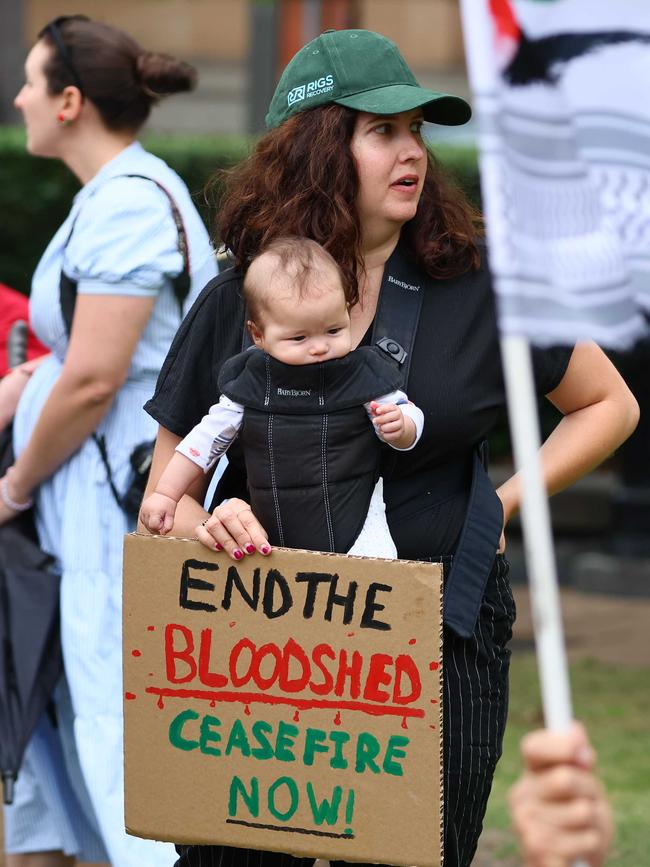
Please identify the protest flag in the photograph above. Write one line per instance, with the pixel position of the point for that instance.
(565, 128)
(564, 134)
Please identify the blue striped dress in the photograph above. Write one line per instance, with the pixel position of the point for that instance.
(69, 794)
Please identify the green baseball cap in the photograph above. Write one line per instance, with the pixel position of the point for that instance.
(361, 70)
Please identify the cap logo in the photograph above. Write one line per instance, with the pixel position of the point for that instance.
(296, 95)
(317, 87)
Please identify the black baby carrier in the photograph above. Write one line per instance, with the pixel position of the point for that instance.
(312, 456)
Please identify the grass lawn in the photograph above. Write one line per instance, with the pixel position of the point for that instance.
(614, 702)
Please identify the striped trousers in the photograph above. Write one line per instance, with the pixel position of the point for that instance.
(475, 706)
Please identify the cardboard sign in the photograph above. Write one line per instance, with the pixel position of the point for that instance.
(288, 703)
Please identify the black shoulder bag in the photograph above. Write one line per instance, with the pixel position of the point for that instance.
(142, 454)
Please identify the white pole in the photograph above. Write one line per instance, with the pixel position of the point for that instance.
(538, 539)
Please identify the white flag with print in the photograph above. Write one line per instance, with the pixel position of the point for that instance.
(562, 94)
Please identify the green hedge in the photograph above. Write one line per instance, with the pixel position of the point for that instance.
(35, 194)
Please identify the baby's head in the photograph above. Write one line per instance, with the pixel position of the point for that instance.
(296, 303)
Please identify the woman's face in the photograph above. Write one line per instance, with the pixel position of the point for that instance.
(391, 162)
(38, 107)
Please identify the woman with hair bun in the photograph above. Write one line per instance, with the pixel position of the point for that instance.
(107, 298)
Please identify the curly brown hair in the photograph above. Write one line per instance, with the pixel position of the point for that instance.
(301, 180)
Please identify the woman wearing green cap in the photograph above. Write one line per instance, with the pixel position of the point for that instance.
(344, 163)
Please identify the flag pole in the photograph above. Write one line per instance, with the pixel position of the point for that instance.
(538, 538)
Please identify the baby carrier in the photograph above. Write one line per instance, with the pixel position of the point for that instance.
(312, 456)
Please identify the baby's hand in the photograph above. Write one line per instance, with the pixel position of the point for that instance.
(157, 513)
(388, 418)
(394, 427)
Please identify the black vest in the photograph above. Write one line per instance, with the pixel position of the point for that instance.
(311, 454)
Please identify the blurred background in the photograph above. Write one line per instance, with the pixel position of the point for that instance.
(602, 525)
(241, 46)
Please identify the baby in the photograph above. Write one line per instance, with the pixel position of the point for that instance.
(300, 408)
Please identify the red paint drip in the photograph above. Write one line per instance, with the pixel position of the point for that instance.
(160, 702)
(412, 640)
(213, 703)
(247, 710)
(432, 727)
(404, 723)
(136, 653)
(129, 696)
(151, 674)
(337, 718)
(434, 701)
(350, 634)
(296, 716)
(151, 628)
(232, 623)
(301, 704)
(434, 666)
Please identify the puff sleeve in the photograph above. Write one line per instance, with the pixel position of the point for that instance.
(125, 241)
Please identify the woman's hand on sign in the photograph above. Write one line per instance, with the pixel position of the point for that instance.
(233, 528)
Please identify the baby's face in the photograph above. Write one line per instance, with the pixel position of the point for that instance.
(307, 330)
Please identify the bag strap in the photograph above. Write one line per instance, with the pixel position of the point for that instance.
(100, 442)
(181, 283)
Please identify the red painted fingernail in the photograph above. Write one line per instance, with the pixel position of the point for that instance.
(218, 547)
(237, 554)
(250, 549)
(265, 549)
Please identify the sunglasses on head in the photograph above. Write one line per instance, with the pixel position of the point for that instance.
(53, 29)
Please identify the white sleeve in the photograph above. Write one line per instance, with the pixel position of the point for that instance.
(410, 409)
(212, 436)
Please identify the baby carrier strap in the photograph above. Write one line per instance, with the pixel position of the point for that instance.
(398, 312)
(394, 331)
